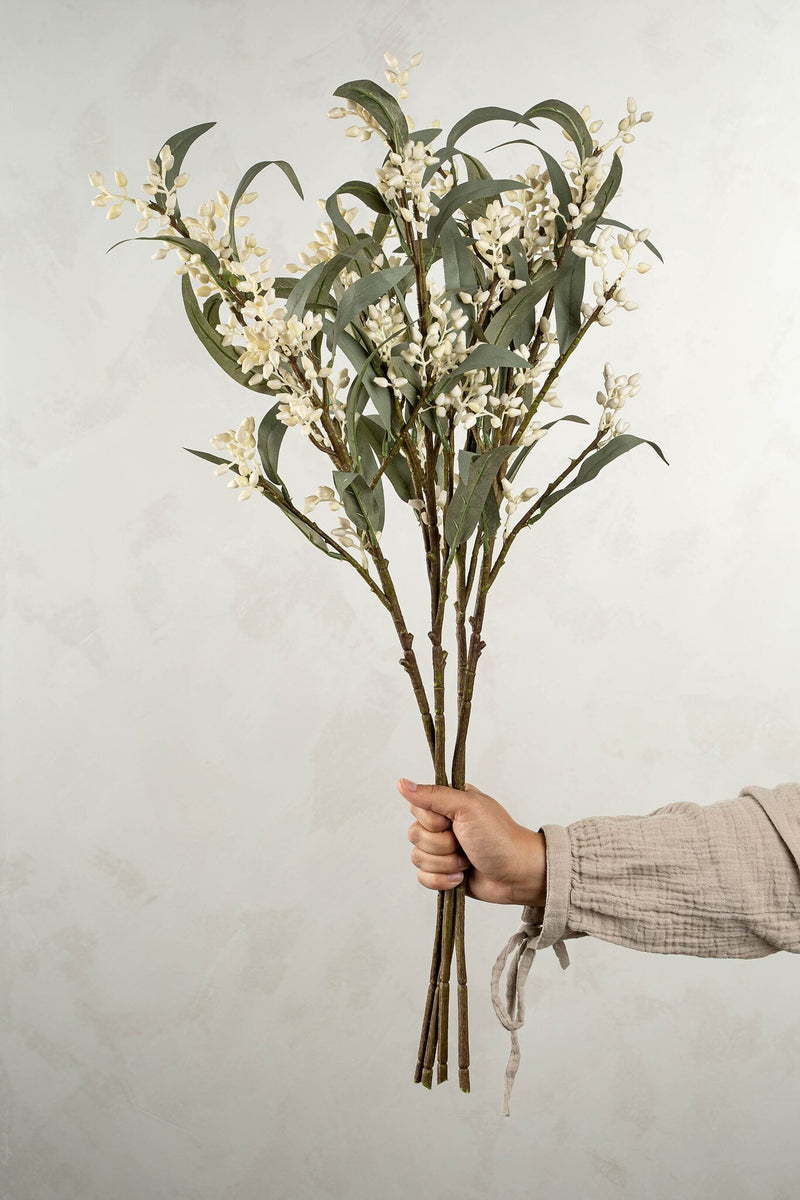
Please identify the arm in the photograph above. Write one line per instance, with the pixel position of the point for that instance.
(719, 880)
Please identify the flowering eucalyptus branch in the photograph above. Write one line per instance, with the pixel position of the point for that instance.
(419, 367)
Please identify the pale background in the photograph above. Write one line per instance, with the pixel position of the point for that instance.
(216, 949)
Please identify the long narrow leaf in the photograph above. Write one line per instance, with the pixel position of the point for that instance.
(225, 356)
(523, 454)
(379, 104)
(481, 116)
(622, 225)
(461, 194)
(483, 356)
(570, 121)
(245, 182)
(271, 432)
(464, 510)
(367, 291)
(592, 466)
(362, 505)
(516, 319)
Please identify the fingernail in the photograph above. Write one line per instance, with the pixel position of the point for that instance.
(408, 785)
(459, 875)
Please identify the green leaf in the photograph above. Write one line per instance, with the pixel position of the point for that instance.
(312, 290)
(593, 465)
(214, 458)
(397, 471)
(463, 271)
(191, 245)
(480, 116)
(570, 286)
(364, 365)
(483, 356)
(622, 225)
(462, 193)
(523, 454)
(271, 433)
(570, 121)
(313, 535)
(516, 319)
(363, 506)
(469, 498)
(380, 105)
(246, 180)
(178, 144)
(367, 291)
(225, 356)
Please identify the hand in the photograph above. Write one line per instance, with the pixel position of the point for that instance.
(469, 835)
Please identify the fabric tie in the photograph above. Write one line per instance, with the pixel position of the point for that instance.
(522, 947)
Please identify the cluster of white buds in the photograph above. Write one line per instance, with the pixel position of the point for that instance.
(396, 76)
(536, 210)
(444, 347)
(617, 389)
(347, 534)
(440, 495)
(512, 500)
(493, 232)
(323, 247)
(322, 495)
(400, 183)
(240, 444)
(621, 250)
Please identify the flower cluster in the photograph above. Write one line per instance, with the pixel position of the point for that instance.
(240, 444)
(617, 389)
(400, 184)
(493, 232)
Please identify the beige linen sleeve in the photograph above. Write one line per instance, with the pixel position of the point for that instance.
(715, 881)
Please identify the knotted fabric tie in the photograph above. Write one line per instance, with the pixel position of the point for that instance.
(522, 947)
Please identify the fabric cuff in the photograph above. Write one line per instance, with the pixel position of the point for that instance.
(556, 905)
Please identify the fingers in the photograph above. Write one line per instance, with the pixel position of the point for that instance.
(439, 864)
(440, 883)
(444, 800)
(433, 843)
(430, 820)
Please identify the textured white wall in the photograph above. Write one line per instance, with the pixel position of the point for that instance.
(215, 946)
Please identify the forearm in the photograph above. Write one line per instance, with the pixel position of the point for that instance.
(719, 880)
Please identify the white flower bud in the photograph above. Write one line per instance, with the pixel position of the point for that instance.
(121, 179)
(113, 212)
(96, 179)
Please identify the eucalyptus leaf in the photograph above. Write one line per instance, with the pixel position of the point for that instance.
(380, 105)
(525, 451)
(363, 506)
(570, 287)
(397, 469)
(207, 255)
(464, 509)
(481, 116)
(245, 182)
(570, 121)
(271, 433)
(482, 357)
(367, 291)
(515, 320)
(591, 467)
(461, 194)
(313, 535)
(225, 356)
(312, 290)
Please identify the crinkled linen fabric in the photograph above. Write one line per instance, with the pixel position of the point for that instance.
(715, 881)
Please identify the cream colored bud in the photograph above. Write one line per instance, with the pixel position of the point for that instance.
(96, 179)
(181, 180)
(642, 268)
(122, 180)
(336, 113)
(631, 104)
(646, 116)
(416, 59)
(113, 212)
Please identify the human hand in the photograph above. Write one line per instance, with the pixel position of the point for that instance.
(469, 835)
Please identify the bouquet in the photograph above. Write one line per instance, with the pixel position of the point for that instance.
(417, 344)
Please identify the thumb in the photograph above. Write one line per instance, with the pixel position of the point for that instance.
(435, 798)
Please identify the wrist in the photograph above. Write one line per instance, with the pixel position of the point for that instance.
(532, 888)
